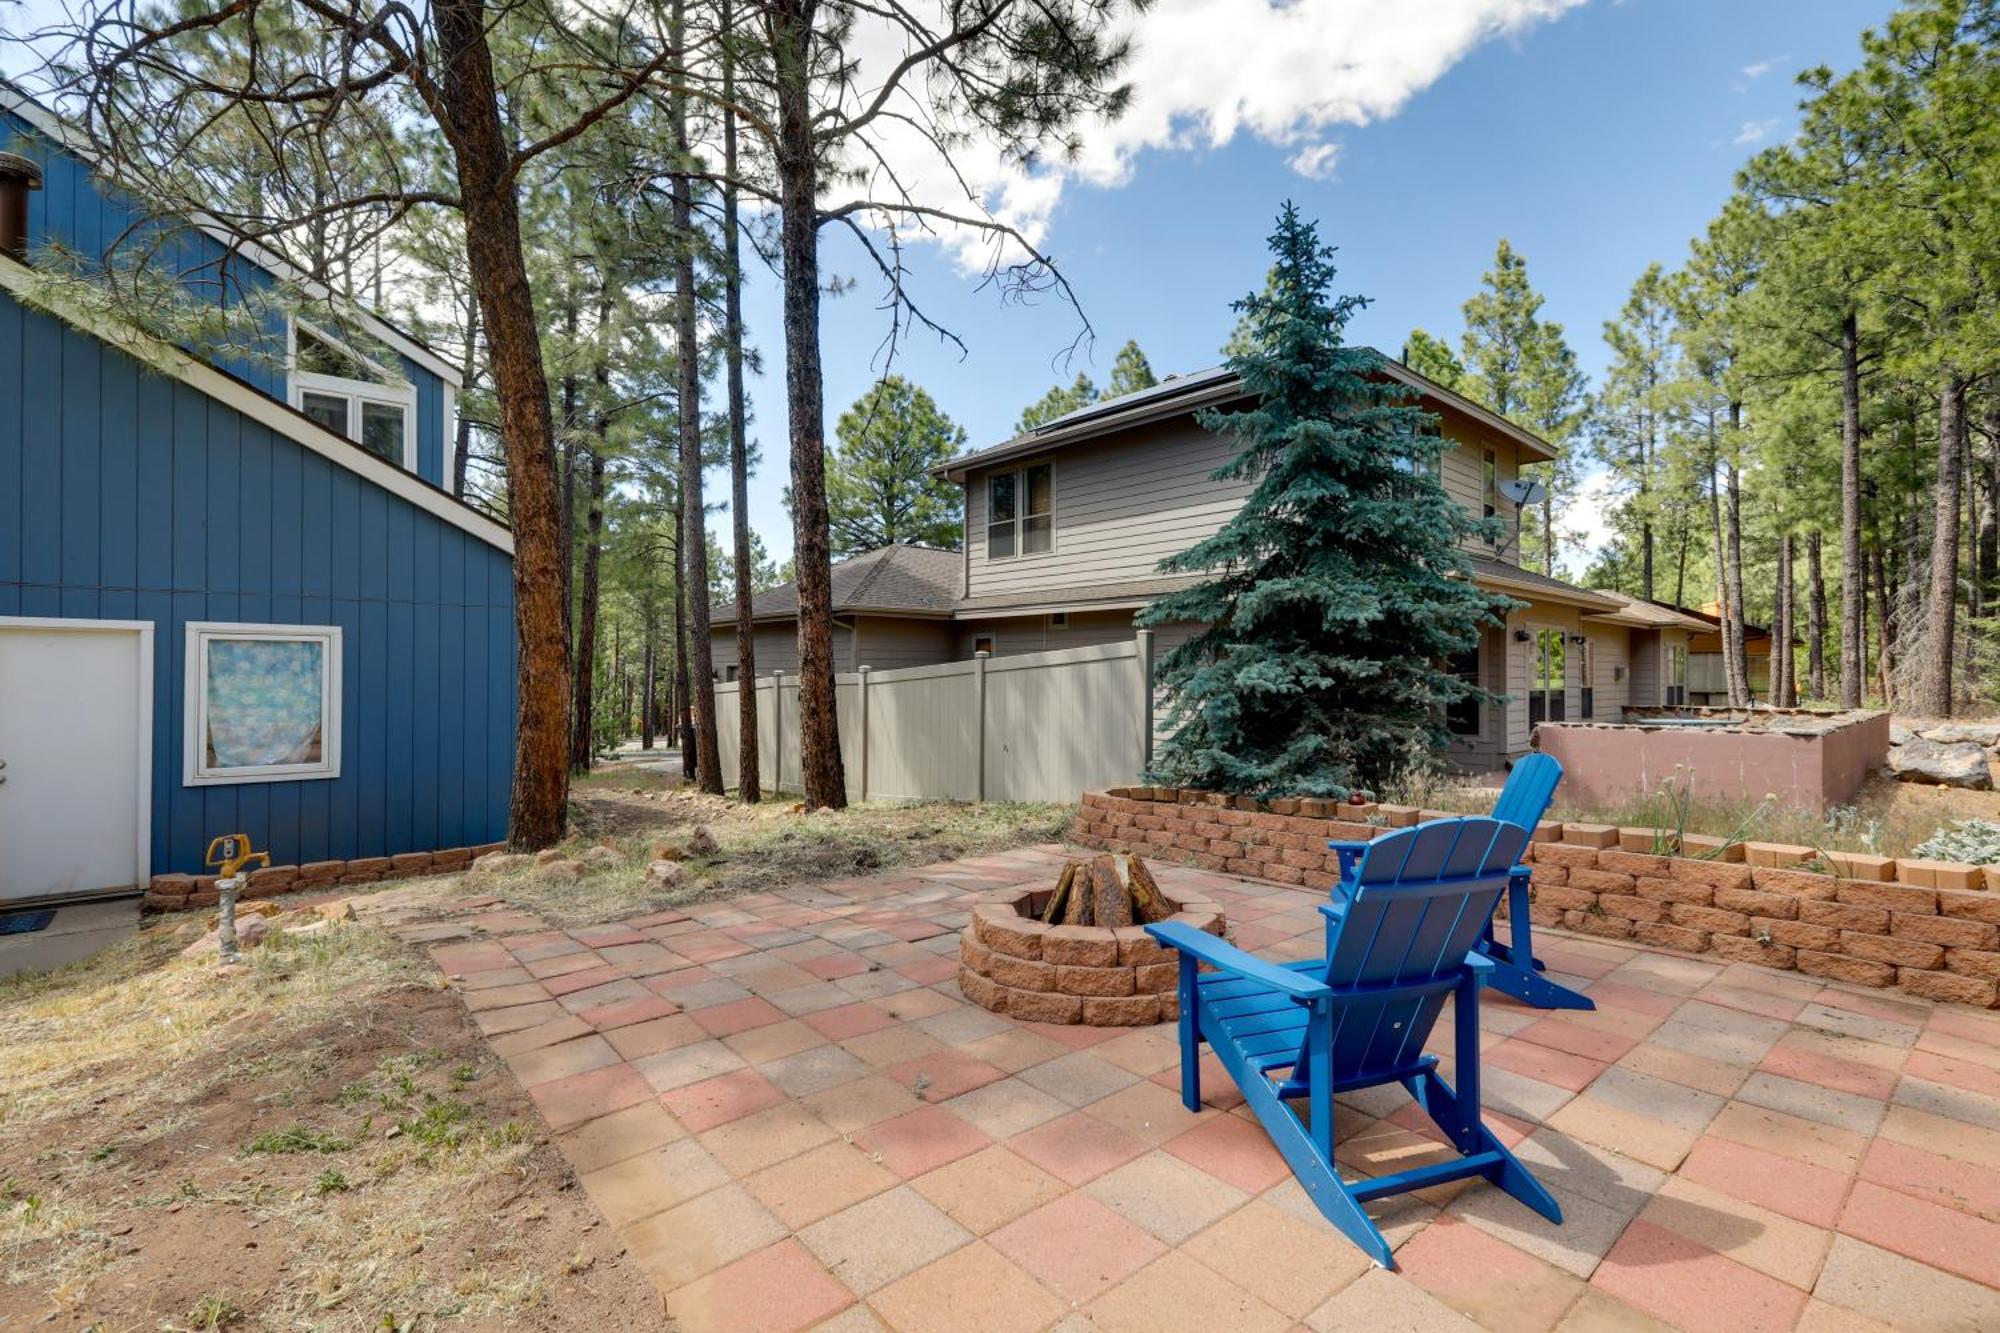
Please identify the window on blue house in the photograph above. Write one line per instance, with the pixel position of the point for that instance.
(263, 703)
(353, 397)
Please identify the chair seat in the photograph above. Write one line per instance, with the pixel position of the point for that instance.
(1267, 1027)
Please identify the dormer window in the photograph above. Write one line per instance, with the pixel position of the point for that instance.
(1020, 512)
(353, 396)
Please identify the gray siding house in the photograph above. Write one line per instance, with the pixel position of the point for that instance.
(1066, 526)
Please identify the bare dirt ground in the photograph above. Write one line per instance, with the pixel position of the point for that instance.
(318, 1142)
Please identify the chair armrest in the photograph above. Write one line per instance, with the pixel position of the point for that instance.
(1480, 964)
(1349, 850)
(1227, 957)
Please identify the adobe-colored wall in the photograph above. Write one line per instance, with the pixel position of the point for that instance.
(1607, 764)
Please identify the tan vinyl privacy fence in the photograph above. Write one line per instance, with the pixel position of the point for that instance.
(1033, 727)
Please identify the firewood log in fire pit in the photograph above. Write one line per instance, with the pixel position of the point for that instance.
(1100, 892)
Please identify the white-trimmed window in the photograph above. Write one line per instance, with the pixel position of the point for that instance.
(1677, 674)
(263, 703)
(354, 397)
(1021, 512)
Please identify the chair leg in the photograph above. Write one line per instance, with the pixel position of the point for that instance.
(1190, 1033)
(1515, 970)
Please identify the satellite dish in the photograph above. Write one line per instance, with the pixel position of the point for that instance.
(1523, 493)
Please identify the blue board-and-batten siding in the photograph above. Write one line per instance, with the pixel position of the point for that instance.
(79, 210)
(128, 495)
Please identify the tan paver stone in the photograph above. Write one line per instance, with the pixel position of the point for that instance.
(1015, 1049)
(654, 1036)
(1143, 1051)
(766, 1138)
(1686, 1068)
(1076, 1148)
(568, 1102)
(1077, 1246)
(652, 1182)
(1078, 1078)
(974, 1289)
(1587, 1232)
(776, 1290)
(1620, 1183)
(1176, 1292)
(1769, 1242)
(1233, 1150)
(865, 1101)
(1809, 1101)
(893, 1045)
(988, 1189)
(1942, 1099)
(819, 1183)
(774, 1041)
(622, 1134)
(1597, 1312)
(1654, 1142)
(1887, 1287)
(1943, 1135)
(545, 1064)
(1496, 1285)
(504, 997)
(1153, 1115)
(914, 1004)
(813, 1070)
(1820, 1317)
(682, 1065)
(1289, 1264)
(689, 1241)
(1380, 1300)
(493, 1022)
(854, 1319)
(878, 1240)
(559, 1029)
(1166, 1195)
(1774, 1131)
(1002, 1110)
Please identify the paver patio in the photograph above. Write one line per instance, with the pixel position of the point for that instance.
(794, 1120)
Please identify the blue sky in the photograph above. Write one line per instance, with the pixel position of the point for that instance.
(1597, 141)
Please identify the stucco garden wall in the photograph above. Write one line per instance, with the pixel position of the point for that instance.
(1814, 760)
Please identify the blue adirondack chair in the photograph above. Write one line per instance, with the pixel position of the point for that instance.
(1403, 938)
(1517, 972)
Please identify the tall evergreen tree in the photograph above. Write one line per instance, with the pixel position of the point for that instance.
(1131, 372)
(1432, 357)
(1338, 593)
(879, 486)
(1634, 405)
(1058, 401)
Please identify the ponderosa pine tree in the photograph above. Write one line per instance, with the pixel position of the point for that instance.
(1056, 402)
(1130, 372)
(1338, 593)
(879, 486)
(1432, 357)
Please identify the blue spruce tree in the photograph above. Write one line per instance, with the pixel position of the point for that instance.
(1338, 594)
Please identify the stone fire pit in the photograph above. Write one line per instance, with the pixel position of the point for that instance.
(1015, 964)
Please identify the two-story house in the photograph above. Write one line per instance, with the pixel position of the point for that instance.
(236, 592)
(1066, 526)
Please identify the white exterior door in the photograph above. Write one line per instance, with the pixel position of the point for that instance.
(76, 742)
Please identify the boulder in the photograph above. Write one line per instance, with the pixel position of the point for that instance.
(666, 874)
(1962, 764)
(1958, 733)
(1900, 734)
(599, 858)
(498, 863)
(558, 869)
(701, 842)
(550, 854)
(250, 932)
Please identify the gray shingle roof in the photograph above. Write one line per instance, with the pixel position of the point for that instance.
(903, 580)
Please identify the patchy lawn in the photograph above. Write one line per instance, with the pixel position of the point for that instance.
(317, 1141)
(635, 812)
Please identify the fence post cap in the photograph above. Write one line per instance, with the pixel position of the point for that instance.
(981, 655)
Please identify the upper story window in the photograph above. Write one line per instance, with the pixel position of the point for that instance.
(1020, 512)
(353, 396)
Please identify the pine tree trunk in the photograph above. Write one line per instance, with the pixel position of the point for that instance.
(1721, 572)
(462, 435)
(701, 663)
(581, 747)
(1933, 695)
(539, 803)
(1815, 618)
(1783, 689)
(1885, 660)
(648, 720)
(749, 785)
(1852, 639)
(677, 687)
(1549, 525)
(798, 180)
(1739, 684)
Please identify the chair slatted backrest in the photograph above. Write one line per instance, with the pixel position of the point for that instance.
(1420, 901)
(1530, 788)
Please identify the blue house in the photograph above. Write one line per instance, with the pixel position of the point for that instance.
(236, 593)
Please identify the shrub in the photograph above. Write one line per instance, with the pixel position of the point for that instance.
(1970, 842)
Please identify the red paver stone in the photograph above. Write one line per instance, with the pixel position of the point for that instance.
(1934, 1178)
(717, 1101)
(1576, 1039)
(1982, 1079)
(624, 1013)
(832, 966)
(1234, 1150)
(587, 979)
(923, 1140)
(1944, 1238)
(1828, 1071)
(1076, 1148)
(1077, 1246)
(931, 970)
(1692, 1287)
(1490, 1280)
(1564, 1070)
(776, 1290)
(1782, 1184)
(943, 1075)
(848, 1020)
(722, 1020)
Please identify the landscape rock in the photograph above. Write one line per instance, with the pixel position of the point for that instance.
(560, 868)
(701, 842)
(1900, 734)
(497, 863)
(666, 874)
(599, 858)
(668, 851)
(1953, 733)
(1962, 764)
(250, 932)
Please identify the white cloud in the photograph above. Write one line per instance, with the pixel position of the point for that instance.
(1203, 72)
(1755, 132)
(1587, 517)
(1757, 69)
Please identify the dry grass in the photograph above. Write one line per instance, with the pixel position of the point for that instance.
(205, 1108)
(762, 847)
